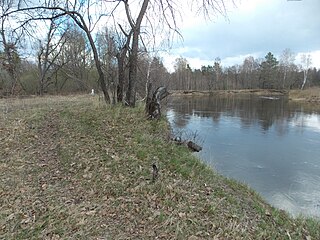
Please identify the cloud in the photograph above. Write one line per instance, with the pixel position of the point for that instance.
(254, 28)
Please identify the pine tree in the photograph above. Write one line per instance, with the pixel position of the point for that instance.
(269, 71)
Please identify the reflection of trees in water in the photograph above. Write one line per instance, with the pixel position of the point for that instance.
(282, 126)
(251, 110)
(181, 121)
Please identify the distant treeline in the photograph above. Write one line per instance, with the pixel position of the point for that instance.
(267, 73)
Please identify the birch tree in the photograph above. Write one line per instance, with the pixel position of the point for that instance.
(306, 62)
(287, 59)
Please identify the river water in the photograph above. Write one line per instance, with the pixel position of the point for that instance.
(269, 143)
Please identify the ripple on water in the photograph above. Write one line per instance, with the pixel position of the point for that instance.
(303, 196)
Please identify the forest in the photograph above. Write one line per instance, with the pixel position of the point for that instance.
(121, 60)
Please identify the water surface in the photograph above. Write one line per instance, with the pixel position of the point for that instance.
(269, 143)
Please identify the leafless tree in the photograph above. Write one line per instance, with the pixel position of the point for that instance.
(9, 40)
(181, 68)
(165, 11)
(140, 15)
(306, 63)
(78, 12)
(108, 51)
(287, 59)
(49, 51)
(217, 73)
(248, 76)
(135, 25)
(74, 60)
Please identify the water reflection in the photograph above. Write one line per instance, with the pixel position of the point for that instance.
(270, 144)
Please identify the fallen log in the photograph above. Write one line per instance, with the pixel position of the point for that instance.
(194, 147)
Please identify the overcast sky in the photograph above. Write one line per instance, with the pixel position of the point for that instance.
(254, 27)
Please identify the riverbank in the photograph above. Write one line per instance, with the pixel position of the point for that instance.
(259, 92)
(72, 167)
(311, 95)
(307, 95)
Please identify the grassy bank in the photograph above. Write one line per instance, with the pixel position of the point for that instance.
(72, 168)
(307, 95)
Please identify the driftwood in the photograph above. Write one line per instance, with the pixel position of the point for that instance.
(194, 147)
(190, 144)
(153, 105)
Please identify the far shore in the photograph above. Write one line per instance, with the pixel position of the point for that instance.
(307, 95)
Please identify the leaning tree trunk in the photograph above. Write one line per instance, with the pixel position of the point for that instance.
(153, 105)
(101, 79)
(100, 72)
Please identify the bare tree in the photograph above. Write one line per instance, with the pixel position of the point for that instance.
(10, 38)
(181, 68)
(76, 12)
(306, 63)
(140, 20)
(108, 51)
(135, 25)
(123, 45)
(166, 12)
(248, 70)
(217, 73)
(287, 59)
(74, 61)
(48, 52)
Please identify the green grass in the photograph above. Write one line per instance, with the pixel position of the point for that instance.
(73, 168)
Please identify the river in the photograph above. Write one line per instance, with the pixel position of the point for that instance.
(268, 143)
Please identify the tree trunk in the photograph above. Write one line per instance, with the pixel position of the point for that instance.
(133, 62)
(78, 18)
(121, 57)
(98, 66)
(121, 76)
(305, 75)
(153, 106)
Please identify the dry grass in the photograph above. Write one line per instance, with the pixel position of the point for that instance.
(72, 168)
(309, 95)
